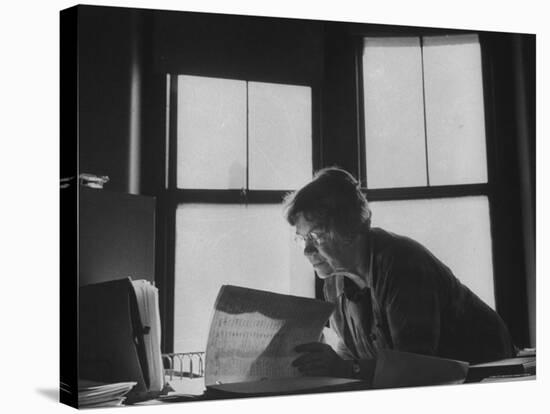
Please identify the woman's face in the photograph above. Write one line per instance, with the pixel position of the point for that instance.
(326, 253)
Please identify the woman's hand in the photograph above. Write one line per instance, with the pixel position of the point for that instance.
(321, 360)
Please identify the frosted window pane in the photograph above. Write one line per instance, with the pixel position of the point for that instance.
(211, 133)
(456, 230)
(454, 110)
(394, 117)
(279, 136)
(230, 244)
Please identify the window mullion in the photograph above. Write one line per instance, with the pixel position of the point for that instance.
(424, 110)
(229, 196)
(247, 139)
(360, 110)
(172, 157)
(417, 193)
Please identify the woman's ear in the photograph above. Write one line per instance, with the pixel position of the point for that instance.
(342, 239)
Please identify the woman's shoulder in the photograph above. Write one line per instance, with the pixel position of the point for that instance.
(387, 243)
(396, 255)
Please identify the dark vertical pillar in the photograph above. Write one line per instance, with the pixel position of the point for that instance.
(504, 179)
(339, 119)
(524, 53)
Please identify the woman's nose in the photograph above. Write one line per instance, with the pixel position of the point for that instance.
(309, 248)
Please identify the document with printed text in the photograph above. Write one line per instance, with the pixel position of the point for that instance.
(253, 334)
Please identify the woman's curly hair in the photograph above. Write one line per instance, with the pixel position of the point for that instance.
(333, 199)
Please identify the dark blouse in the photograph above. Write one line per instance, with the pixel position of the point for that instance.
(413, 303)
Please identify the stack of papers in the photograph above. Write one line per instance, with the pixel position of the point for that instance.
(148, 304)
(96, 394)
(526, 365)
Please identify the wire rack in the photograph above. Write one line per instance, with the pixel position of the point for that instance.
(183, 365)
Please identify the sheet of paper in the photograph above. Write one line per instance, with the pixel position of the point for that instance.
(253, 334)
(92, 393)
(508, 362)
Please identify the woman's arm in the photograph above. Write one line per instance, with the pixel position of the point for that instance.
(321, 360)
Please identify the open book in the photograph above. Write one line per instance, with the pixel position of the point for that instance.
(251, 348)
(252, 338)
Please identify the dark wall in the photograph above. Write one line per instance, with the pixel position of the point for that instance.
(106, 54)
(245, 47)
(116, 236)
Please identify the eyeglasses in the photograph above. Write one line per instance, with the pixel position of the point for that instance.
(314, 237)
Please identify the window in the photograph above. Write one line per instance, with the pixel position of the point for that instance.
(425, 148)
(239, 147)
(456, 230)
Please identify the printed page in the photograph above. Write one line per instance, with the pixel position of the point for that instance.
(253, 334)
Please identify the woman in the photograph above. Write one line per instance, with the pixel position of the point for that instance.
(390, 291)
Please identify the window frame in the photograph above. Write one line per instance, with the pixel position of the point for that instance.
(509, 289)
(171, 197)
(337, 138)
(415, 192)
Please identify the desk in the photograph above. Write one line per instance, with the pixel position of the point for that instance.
(513, 369)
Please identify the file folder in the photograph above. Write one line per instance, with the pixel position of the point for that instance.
(112, 337)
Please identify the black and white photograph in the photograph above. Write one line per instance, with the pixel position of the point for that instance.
(259, 207)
